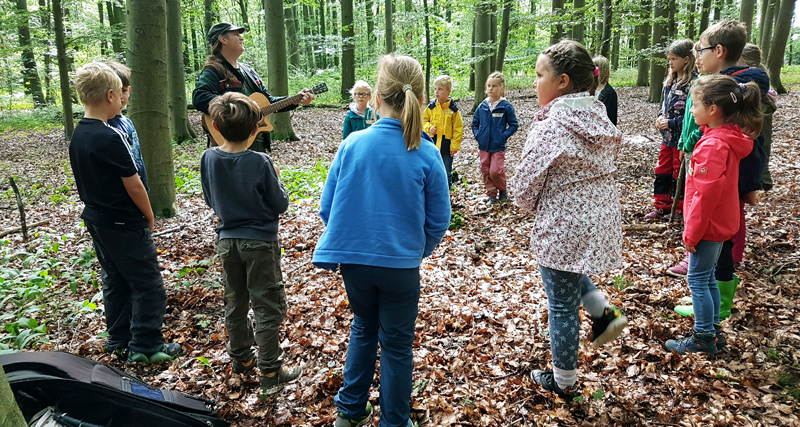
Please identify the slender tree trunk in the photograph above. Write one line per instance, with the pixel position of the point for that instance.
(766, 30)
(308, 37)
(532, 24)
(691, 32)
(746, 15)
(243, 10)
(389, 36)
(673, 25)
(370, 24)
(643, 31)
(116, 19)
(348, 49)
(427, 51)
(176, 77)
(605, 49)
(278, 72)
(615, 48)
(188, 62)
(44, 17)
(104, 42)
(336, 44)
(704, 14)
(493, 29)
(501, 47)
(149, 108)
(782, 30)
(290, 20)
(718, 4)
(196, 61)
(579, 28)
(556, 31)
(473, 54)
(483, 34)
(762, 20)
(30, 74)
(323, 57)
(208, 8)
(10, 415)
(660, 34)
(63, 68)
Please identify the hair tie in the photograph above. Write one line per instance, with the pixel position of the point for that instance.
(406, 87)
(596, 71)
(741, 85)
(733, 97)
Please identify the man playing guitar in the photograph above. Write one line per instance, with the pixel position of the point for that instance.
(224, 73)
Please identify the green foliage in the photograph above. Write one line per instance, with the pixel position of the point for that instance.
(193, 268)
(456, 220)
(188, 181)
(773, 354)
(305, 182)
(621, 283)
(790, 381)
(15, 117)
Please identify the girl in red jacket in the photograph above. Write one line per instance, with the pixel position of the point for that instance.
(724, 109)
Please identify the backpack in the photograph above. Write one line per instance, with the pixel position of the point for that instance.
(82, 392)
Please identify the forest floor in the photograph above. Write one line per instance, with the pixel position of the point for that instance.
(482, 322)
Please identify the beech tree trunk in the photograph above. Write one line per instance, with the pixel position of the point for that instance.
(278, 74)
(370, 24)
(30, 74)
(293, 46)
(501, 47)
(47, 25)
(483, 34)
(63, 68)
(116, 19)
(348, 49)
(782, 30)
(766, 30)
(389, 35)
(208, 8)
(176, 76)
(704, 13)
(762, 19)
(323, 57)
(10, 415)
(427, 52)
(691, 33)
(643, 32)
(660, 38)
(605, 48)
(243, 10)
(556, 31)
(579, 28)
(746, 15)
(149, 107)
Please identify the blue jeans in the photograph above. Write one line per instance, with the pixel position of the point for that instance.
(703, 284)
(384, 302)
(564, 290)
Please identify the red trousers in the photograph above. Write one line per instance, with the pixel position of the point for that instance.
(669, 164)
(493, 169)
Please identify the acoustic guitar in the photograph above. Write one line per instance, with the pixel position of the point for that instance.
(267, 109)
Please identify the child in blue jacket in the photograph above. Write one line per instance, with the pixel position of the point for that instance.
(492, 124)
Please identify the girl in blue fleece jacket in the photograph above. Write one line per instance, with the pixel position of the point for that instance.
(386, 205)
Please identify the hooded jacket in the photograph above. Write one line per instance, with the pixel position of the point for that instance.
(711, 207)
(493, 127)
(355, 121)
(448, 122)
(567, 176)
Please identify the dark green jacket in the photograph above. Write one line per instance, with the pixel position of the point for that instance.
(211, 84)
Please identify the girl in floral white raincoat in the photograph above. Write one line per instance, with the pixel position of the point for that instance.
(566, 176)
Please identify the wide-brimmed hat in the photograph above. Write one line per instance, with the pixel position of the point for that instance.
(220, 29)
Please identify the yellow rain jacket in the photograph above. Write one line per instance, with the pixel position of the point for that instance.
(448, 122)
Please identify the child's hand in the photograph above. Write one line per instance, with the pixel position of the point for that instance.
(681, 155)
(691, 249)
(432, 130)
(752, 198)
(453, 153)
(662, 123)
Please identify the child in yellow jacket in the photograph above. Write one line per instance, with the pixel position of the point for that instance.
(442, 121)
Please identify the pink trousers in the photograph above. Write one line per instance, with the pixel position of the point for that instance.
(493, 169)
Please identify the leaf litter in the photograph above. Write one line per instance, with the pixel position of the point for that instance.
(482, 323)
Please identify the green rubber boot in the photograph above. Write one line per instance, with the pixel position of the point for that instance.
(726, 292)
(685, 309)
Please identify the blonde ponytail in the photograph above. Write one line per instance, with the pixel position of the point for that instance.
(400, 85)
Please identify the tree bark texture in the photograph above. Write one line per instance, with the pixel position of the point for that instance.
(10, 415)
(691, 32)
(483, 34)
(292, 44)
(243, 10)
(427, 52)
(557, 30)
(179, 118)
(116, 19)
(643, 32)
(348, 49)
(63, 68)
(149, 108)
(30, 74)
(501, 47)
(47, 25)
(762, 19)
(278, 74)
(370, 24)
(389, 35)
(208, 8)
(660, 38)
(104, 41)
(579, 28)
(746, 15)
(782, 30)
(766, 30)
(704, 14)
(323, 56)
(605, 48)
(308, 38)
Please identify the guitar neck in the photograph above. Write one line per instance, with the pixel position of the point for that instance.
(283, 103)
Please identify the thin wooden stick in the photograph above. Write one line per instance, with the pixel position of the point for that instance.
(21, 209)
(678, 190)
(15, 229)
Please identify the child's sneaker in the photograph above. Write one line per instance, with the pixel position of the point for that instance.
(694, 343)
(167, 353)
(658, 214)
(343, 421)
(271, 385)
(608, 327)
(242, 367)
(681, 269)
(120, 352)
(135, 357)
(548, 382)
(721, 341)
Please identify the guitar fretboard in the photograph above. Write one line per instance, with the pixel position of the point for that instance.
(269, 109)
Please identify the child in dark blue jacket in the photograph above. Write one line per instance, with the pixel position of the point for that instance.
(492, 124)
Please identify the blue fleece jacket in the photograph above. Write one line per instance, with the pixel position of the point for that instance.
(383, 205)
(492, 128)
(752, 166)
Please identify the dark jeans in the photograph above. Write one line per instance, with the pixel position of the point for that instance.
(251, 271)
(384, 303)
(133, 291)
(447, 159)
(725, 265)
